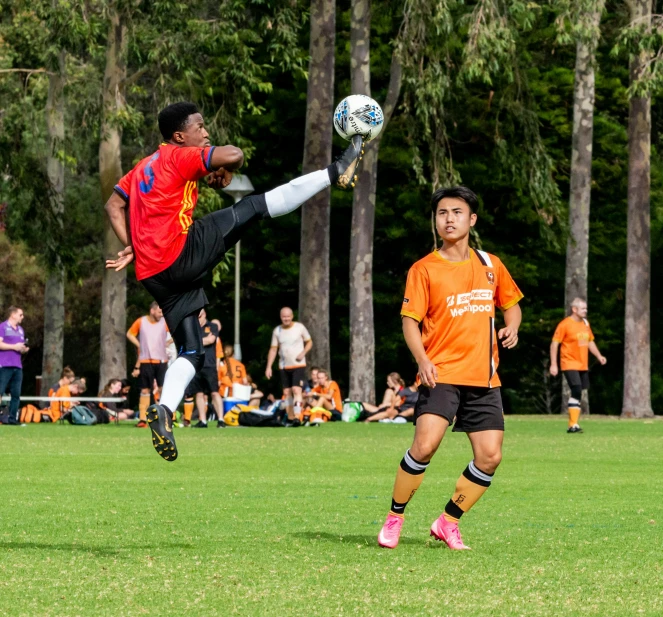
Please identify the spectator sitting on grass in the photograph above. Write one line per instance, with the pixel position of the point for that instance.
(114, 410)
(59, 408)
(327, 395)
(66, 377)
(394, 384)
(401, 409)
(256, 394)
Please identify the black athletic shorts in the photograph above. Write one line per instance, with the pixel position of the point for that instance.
(205, 381)
(149, 371)
(179, 288)
(293, 377)
(577, 378)
(474, 409)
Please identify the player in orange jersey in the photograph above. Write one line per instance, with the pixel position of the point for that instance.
(449, 326)
(576, 340)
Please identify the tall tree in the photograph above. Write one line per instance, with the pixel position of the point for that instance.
(580, 22)
(637, 343)
(113, 360)
(54, 289)
(362, 328)
(314, 257)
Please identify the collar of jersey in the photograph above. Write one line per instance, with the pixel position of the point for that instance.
(452, 263)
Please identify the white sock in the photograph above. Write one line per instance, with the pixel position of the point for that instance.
(288, 197)
(178, 376)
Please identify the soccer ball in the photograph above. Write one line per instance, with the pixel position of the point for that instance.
(358, 114)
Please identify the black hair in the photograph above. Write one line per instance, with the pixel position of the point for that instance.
(459, 192)
(174, 118)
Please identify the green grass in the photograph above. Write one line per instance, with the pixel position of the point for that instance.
(283, 522)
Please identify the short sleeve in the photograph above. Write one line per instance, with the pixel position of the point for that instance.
(305, 334)
(123, 187)
(219, 349)
(560, 332)
(275, 338)
(507, 293)
(417, 293)
(193, 163)
(135, 327)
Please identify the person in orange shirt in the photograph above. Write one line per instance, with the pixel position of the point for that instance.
(59, 408)
(327, 395)
(236, 371)
(576, 340)
(451, 294)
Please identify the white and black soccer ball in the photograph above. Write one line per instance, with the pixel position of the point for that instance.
(358, 114)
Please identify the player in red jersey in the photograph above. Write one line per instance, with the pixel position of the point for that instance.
(151, 212)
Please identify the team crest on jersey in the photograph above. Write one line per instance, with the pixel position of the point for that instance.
(406, 300)
(491, 277)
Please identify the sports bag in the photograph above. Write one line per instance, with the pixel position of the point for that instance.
(351, 411)
(81, 415)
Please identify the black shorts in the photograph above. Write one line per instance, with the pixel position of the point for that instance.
(205, 381)
(577, 378)
(179, 288)
(474, 409)
(293, 377)
(149, 371)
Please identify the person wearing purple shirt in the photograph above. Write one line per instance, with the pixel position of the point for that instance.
(12, 347)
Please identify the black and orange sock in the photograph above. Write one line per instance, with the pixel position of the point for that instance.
(409, 477)
(471, 485)
(188, 409)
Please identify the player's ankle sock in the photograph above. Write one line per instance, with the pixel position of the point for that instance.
(178, 376)
(288, 197)
(409, 477)
(470, 486)
(188, 409)
(574, 411)
(143, 404)
(298, 410)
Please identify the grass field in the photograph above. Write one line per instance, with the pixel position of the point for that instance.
(283, 522)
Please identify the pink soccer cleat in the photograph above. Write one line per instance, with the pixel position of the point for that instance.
(448, 533)
(391, 531)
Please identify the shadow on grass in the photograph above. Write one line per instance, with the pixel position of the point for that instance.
(84, 548)
(336, 538)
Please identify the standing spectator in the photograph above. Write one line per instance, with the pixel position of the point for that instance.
(12, 346)
(150, 336)
(206, 380)
(576, 340)
(292, 341)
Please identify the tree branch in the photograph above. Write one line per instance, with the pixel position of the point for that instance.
(26, 71)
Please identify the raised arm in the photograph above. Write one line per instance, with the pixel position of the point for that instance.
(228, 157)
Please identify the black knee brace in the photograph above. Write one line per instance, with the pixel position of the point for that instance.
(188, 338)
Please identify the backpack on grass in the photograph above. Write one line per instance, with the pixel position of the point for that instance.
(81, 415)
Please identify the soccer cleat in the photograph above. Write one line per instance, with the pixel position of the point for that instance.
(448, 533)
(160, 419)
(346, 166)
(200, 424)
(141, 424)
(574, 429)
(220, 424)
(391, 531)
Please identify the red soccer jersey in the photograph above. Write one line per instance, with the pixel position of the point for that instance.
(162, 191)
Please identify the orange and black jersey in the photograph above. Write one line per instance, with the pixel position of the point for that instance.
(455, 303)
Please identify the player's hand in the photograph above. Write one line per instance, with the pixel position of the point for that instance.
(220, 178)
(268, 372)
(554, 371)
(510, 336)
(124, 258)
(603, 360)
(135, 372)
(300, 357)
(427, 373)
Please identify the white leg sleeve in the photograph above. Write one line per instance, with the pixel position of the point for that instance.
(177, 378)
(288, 197)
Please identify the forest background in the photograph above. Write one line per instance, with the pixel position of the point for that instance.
(500, 122)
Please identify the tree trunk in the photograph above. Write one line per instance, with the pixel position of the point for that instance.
(637, 349)
(314, 258)
(54, 290)
(362, 331)
(113, 348)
